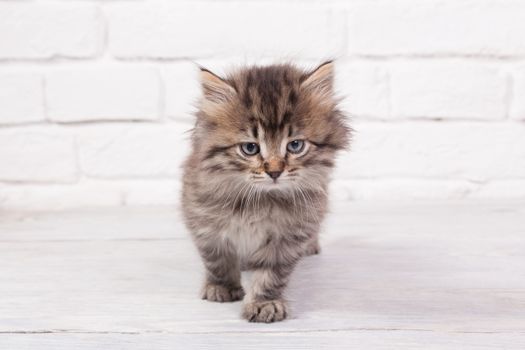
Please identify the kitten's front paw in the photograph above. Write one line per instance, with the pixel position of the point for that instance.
(265, 311)
(221, 294)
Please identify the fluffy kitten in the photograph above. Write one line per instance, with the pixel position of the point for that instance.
(255, 184)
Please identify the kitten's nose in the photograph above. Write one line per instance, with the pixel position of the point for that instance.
(274, 174)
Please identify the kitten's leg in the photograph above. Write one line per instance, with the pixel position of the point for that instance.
(264, 302)
(223, 275)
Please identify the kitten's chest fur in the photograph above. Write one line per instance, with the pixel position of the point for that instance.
(249, 232)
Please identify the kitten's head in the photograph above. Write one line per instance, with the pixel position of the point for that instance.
(276, 127)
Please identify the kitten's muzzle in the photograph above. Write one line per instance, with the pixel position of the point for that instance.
(274, 174)
(274, 167)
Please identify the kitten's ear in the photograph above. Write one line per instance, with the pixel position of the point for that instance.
(214, 87)
(320, 79)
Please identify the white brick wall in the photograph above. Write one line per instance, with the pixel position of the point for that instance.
(113, 151)
(109, 93)
(30, 30)
(21, 98)
(96, 96)
(223, 28)
(37, 155)
(458, 89)
(473, 151)
(436, 27)
(518, 95)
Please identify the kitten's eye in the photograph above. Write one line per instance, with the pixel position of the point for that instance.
(296, 146)
(250, 148)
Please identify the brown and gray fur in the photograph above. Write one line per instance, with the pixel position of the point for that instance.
(260, 212)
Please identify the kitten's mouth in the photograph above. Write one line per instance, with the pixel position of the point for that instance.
(271, 183)
(274, 185)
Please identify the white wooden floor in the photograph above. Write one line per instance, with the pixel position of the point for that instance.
(391, 276)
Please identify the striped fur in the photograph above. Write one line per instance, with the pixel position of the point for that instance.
(239, 216)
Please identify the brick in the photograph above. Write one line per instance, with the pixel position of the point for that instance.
(111, 93)
(432, 150)
(21, 98)
(36, 155)
(182, 89)
(133, 151)
(152, 192)
(180, 30)
(90, 193)
(508, 189)
(517, 109)
(364, 88)
(39, 31)
(403, 189)
(454, 89)
(485, 27)
(52, 197)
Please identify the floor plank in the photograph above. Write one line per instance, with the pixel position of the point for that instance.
(360, 339)
(391, 275)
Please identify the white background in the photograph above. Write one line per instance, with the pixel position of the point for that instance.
(95, 96)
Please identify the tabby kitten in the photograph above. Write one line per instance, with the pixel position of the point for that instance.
(255, 183)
